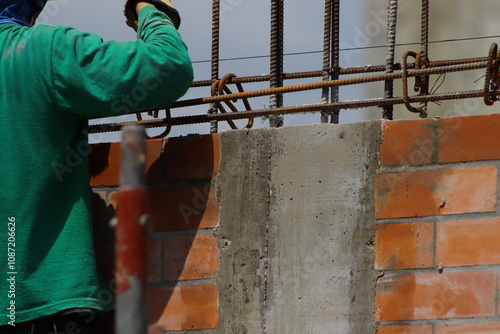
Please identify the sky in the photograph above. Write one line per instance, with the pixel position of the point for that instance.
(244, 32)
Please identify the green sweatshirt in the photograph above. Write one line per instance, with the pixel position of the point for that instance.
(52, 79)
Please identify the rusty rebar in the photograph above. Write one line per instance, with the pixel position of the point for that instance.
(215, 56)
(327, 45)
(392, 15)
(342, 71)
(276, 62)
(406, 97)
(490, 92)
(424, 55)
(425, 33)
(332, 83)
(335, 59)
(491, 83)
(458, 65)
(331, 57)
(220, 88)
(197, 119)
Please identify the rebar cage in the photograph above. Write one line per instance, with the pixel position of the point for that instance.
(330, 79)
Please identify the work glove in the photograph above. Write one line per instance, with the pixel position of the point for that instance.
(162, 5)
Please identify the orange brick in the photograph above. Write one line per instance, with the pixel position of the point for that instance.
(155, 250)
(467, 243)
(417, 329)
(186, 208)
(191, 257)
(490, 328)
(192, 157)
(184, 307)
(469, 138)
(409, 143)
(104, 162)
(435, 192)
(113, 199)
(435, 296)
(399, 246)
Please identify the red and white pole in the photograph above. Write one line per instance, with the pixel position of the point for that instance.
(131, 235)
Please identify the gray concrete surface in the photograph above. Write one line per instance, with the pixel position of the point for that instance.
(297, 227)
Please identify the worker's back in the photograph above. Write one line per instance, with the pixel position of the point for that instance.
(52, 79)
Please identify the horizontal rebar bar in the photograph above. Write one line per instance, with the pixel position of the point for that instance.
(435, 67)
(197, 119)
(342, 71)
(331, 83)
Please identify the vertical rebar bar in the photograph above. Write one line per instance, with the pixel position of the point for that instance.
(424, 55)
(327, 45)
(215, 56)
(131, 235)
(335, 58)
(276, 63)
(392, 16)
(331, 49)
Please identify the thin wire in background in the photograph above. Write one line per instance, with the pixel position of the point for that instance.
(353, 49)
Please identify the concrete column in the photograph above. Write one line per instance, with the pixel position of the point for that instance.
(297, 227)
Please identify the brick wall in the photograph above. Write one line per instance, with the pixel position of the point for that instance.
(438, 233)
(437, 246)
(182, 291)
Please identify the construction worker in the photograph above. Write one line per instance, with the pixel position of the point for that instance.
(52, 79)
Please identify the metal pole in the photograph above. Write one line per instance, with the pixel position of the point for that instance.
(277, 36)
(392, 15)
(131, 235)
(214, 128)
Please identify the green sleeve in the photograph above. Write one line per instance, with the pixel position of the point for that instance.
(96, 78)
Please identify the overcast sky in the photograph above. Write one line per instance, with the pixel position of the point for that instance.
(244, 32)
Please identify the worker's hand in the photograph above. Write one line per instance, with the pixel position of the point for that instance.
(133, 7)
(140, 5)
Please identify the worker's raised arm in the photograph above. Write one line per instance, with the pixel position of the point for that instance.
(95, 78)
